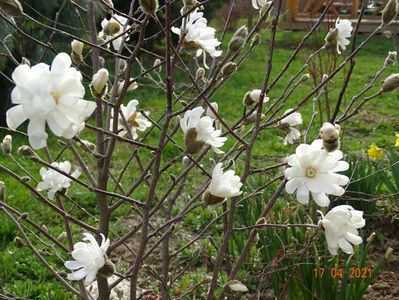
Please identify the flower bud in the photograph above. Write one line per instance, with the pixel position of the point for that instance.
(389, 12)
(228, 69)
(255, 40)
(200, 74)
(18, 242)
(264, 9)
(99, 84)
(25, 179)
(12, 8)
(329, 133)
(186, 160)
(390, 83)
(305, 77)
(131, 87)
(62, 236)
(157, 65)
(188, 5)
(24, 216)
(149, 6)
(88, 146)
(108, 269)
(331, 36)
(6, 145)
(391, 58)
(210, 113)
(25, 61)
(192, 144)
(210, 199)
(371, 237)
(251, 118)
(26, 151)
(238, 40)
(235, 287)
(122, 66)
(112, 27)
(2, 191)
(77, 50)
(388, 253)
(253, 97)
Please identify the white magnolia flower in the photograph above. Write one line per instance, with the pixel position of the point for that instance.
(49, 95)
(113, 28)
(135, 120)
(224, 185)
(259, 3)
(199, 129)
(88, 258)
(313, 169)
(344, 28)
(54, 181)
(289, 122)
(198, 36)
(341, 224)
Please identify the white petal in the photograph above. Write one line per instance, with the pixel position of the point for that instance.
(15, 117)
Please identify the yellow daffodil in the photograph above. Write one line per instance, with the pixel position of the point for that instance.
(374, 152)
(397, 140)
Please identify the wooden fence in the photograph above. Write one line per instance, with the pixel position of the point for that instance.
(301, 14)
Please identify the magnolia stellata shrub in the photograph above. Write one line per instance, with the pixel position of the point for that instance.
(87, 101)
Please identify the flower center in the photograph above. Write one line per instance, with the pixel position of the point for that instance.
(310, 173)
(56, 96)
(132, 120)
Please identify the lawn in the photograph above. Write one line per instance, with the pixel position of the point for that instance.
(20, 272)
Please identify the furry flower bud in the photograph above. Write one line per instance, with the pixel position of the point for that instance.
(329, 133)
(389, 12)
(108, 269)
(331, 36)
(255, 40)
(12, 8)
(111, 28)
(235, 287)
(390, 83)
(157, 65)
(251, 118)
(228, 69)
(76, 53)
(6, 145)
(122, 66)
(18, 242)
(238, 40)
(26, 151)
(192, 144)
(131, 87)
(99, 85)
(391, 58)
(388, 253)
(2, 191)
(199, 75)
(149, 6)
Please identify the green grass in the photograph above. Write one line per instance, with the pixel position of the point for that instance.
(20, 271)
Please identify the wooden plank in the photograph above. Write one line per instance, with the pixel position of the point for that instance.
(292, 9)
(355, 8)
